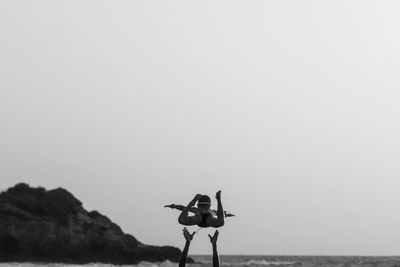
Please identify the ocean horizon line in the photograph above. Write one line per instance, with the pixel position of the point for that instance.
(300, 255)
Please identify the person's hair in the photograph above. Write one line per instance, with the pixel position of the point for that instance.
(204, 201)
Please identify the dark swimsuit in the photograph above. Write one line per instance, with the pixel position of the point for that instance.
(203, 222)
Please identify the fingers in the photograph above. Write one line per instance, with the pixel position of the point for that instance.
(185, 230)
(214, 238)
(188, 236)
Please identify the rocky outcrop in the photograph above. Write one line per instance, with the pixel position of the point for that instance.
(52, 226)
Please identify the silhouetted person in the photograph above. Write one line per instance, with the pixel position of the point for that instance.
(203, 215)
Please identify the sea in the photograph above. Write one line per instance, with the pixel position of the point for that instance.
(248, 261)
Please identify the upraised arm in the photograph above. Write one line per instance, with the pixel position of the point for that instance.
(213, 240)
(188, 237)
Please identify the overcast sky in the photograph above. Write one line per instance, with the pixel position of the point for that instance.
(290, 107)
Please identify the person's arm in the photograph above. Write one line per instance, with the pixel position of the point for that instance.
(213, 240)
(184, 217)
(188, 237)
(180, 207)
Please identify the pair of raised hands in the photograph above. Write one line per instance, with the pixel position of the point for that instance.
(189, 236)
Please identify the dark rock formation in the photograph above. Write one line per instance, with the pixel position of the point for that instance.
(52, 226)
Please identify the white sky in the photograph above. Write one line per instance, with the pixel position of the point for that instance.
(290, 107)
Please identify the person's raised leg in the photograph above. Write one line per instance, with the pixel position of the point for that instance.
(185, 218)
(220, 220)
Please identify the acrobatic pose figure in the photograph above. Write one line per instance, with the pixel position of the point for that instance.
(188, 236)
(203, 215)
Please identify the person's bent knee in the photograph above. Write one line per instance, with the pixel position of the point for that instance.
(182, 220)
(220, 223)
(185, 221)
